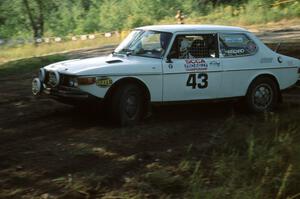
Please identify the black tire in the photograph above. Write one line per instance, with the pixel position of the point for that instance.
(128, 105)
(262, 95)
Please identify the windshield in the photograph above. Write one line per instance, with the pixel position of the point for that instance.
(145, 43)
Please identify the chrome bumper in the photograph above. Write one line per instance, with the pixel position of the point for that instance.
(66, 92)
(71, 96)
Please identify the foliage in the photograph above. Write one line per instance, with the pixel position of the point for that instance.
(61, 18)
(251, 158)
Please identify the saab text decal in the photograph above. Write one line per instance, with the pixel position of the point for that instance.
(195, 64)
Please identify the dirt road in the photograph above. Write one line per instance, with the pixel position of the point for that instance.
(44, 144)
(48, 149)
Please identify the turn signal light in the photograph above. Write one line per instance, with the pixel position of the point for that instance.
(86, 80)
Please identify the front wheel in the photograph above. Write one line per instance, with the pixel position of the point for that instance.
(262, 95)
(128, 105)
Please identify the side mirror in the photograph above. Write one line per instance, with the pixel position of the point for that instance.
(169, 60)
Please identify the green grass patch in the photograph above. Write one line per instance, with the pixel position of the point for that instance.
(31, 50)
(28, 65)
(250, 157)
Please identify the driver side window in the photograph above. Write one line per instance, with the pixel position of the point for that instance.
(194, 46)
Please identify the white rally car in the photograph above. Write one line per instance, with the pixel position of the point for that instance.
(173, 63)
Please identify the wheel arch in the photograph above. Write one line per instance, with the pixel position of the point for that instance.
(126, 80)
(265, 75)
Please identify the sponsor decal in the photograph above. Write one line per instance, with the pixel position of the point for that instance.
(104, 82)
(235, 51)
(234, 39)
(195, 64)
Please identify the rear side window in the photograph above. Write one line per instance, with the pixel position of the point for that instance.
(236, 44)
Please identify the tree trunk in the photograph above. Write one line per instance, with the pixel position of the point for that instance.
(36, 22)
(40, 17)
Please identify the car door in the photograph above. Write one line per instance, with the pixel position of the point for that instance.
(192, 69)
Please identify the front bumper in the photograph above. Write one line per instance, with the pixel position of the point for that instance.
(65, 94)
(72, 96)
(68, 95)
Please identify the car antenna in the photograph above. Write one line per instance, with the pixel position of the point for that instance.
(277, 47)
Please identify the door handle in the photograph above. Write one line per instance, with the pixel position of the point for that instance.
(215, 63)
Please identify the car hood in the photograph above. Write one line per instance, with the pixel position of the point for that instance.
(77, 66)
(109, 65)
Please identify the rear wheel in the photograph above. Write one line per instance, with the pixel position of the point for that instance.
(262, 95)
(128, 105)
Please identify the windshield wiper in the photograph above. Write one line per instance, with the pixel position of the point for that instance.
(127, 51)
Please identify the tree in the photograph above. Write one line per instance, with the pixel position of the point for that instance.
(11, 19)
(35, 13)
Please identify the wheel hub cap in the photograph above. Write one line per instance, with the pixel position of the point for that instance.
(131, 105)
(263, 96)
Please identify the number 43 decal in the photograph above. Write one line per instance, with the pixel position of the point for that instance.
(202, 79)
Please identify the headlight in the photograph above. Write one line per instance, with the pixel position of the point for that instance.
(86, 80)
(36, 86)
(53, 78)
(73, 82)
(42, 74)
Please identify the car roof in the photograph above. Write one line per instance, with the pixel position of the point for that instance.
(191, 28)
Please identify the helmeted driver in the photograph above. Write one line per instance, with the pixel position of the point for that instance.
(184, 49)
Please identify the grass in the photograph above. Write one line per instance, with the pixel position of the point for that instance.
(28, 65)
(31, 50)
(252, 13)
(253, 158)
(249, 157)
